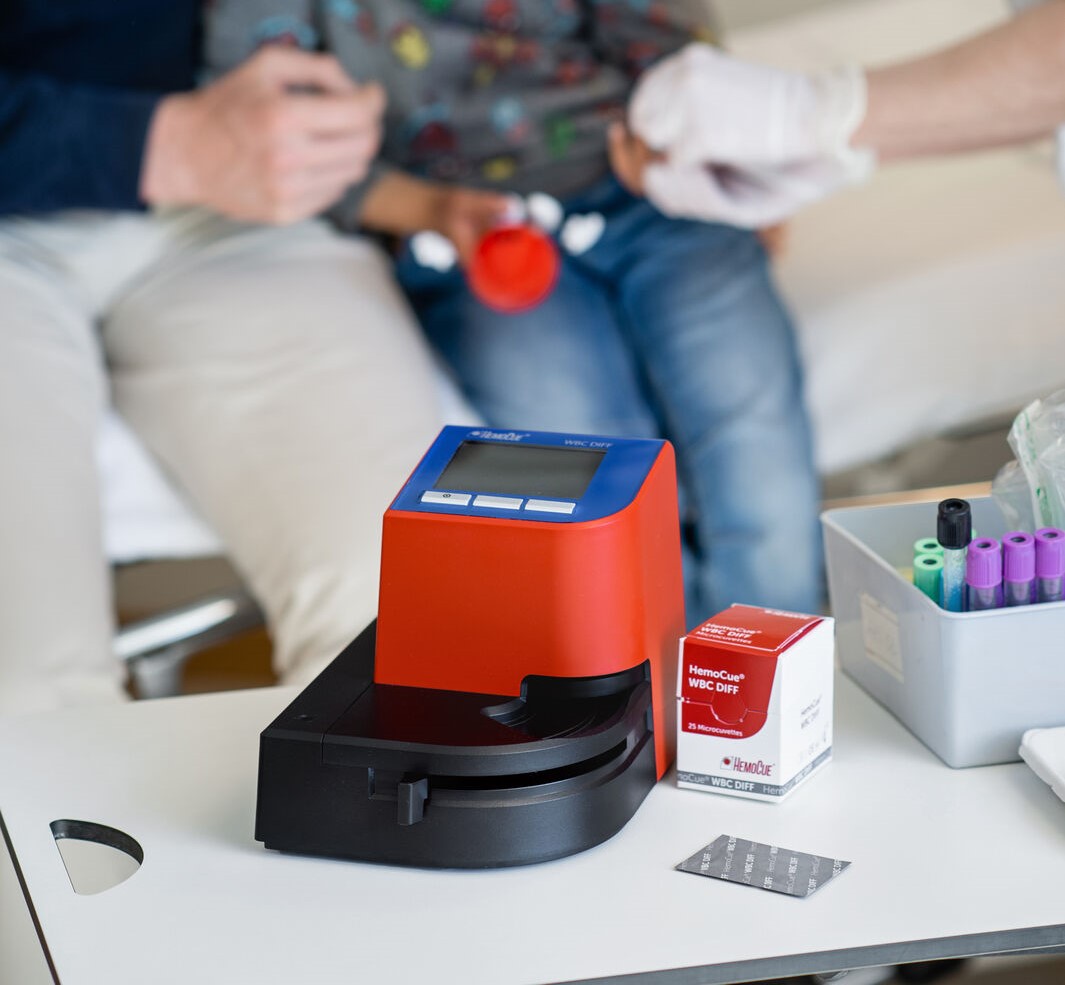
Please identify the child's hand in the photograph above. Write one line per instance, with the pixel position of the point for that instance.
(464, 215)
(404, 205)
(774, 238)
(629, 157)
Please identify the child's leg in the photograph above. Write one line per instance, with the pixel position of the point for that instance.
(562, 366)
(721, 359)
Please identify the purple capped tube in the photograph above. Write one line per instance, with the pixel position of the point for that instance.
(1018, 568)
(1049, 564)
(983, 574)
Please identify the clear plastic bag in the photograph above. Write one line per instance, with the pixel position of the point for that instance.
(1010, 490)
(1037, 438)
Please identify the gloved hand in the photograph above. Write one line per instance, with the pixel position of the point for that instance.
(745, 143)
(751, 198)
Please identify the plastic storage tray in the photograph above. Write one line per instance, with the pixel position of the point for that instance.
(967, 684)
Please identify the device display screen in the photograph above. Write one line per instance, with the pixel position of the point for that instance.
(521, 470)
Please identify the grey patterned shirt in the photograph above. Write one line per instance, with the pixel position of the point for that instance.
(506, 94)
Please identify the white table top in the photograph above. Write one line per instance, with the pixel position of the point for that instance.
(945, 862)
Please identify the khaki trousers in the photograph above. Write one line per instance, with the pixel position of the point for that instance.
(276, 373)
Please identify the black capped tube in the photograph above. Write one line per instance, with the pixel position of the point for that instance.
(954, 530)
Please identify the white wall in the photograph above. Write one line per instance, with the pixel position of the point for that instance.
(737, 13)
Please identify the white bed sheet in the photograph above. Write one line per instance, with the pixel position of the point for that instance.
(145, 515)
(934, 296)
(953, 316)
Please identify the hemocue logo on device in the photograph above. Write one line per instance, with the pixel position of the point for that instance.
(754, 697)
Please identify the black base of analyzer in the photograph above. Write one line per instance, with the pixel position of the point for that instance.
(424, 777)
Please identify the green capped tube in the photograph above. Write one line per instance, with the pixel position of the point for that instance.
(928, 574)
(927, 545)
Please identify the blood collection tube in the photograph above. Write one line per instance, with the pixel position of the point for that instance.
(926, 545)
(927, 573)
(954, 531)
(983, 574)
(1018, 568)
(1049, 564)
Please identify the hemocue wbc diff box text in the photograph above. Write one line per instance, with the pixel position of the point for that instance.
(754, 702)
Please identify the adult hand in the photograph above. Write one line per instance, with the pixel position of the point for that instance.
(704, 106)
(743, 143)
(630, 158)
(751, 198)
(276, 140)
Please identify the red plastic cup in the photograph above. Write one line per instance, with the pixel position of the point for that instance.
(513, 268)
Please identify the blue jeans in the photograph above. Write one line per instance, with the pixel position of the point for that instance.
(664, 328)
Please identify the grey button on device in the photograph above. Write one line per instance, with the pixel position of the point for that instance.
(447, 498)
(497, 503)
(550, 506)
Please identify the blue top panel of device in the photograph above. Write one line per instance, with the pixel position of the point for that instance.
(528, 475)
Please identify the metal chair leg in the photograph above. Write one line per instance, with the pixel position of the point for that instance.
(155, 649)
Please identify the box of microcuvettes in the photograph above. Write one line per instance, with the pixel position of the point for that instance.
(754, 702)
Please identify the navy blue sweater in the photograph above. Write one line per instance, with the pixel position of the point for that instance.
(79, 81)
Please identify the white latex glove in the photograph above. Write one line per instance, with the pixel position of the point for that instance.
(746, 143)
(750, 198)
(702, 105)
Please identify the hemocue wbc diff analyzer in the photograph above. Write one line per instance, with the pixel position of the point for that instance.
(514, 701)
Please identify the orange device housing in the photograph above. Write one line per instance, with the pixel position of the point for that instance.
(471, 603)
